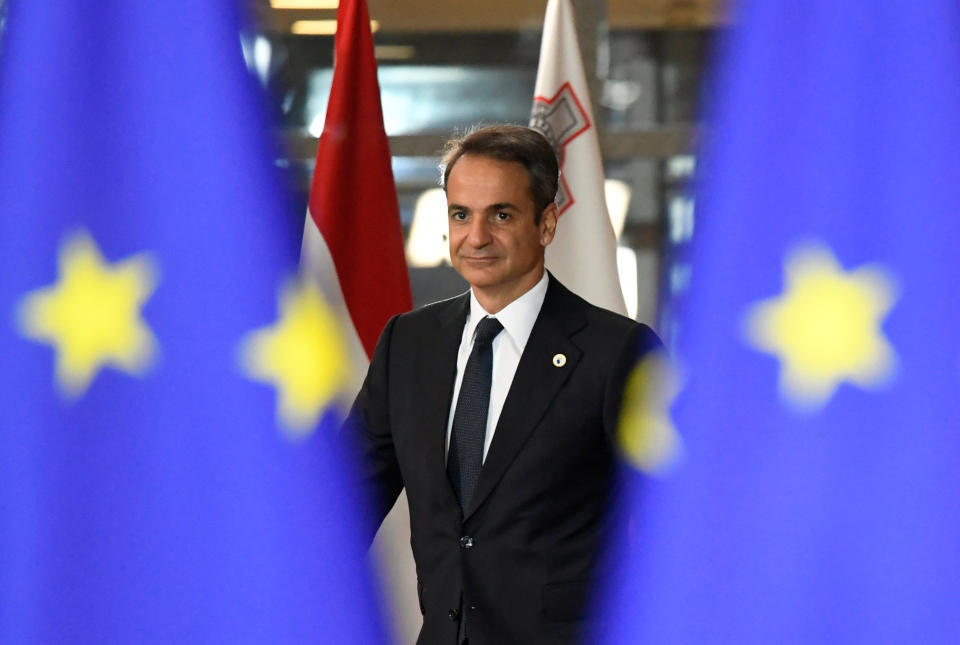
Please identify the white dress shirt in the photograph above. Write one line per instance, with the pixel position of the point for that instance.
(517, 319)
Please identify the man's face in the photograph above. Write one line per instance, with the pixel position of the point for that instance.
(495, 243)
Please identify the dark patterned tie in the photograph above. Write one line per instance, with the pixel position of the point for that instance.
(470, 419)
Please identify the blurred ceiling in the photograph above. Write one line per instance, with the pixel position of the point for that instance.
(420, 16)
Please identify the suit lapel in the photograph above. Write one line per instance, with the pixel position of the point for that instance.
(535, 384)
(439, 369)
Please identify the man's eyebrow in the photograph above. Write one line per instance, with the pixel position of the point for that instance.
(499, 206)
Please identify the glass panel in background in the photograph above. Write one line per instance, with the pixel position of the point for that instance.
(422, 99)
(430, 83)
(3, 22)
(679, 173)
(652, 78)
(682, 59)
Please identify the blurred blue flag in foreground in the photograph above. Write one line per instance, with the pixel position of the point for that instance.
(814, 496)
(168, 469)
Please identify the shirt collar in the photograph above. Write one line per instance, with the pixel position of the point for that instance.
(517, 318)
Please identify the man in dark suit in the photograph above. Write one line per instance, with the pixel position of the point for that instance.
(497, 410)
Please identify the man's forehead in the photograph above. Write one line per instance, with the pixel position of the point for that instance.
(471, 169)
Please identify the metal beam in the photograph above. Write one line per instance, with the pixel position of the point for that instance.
(661, 142)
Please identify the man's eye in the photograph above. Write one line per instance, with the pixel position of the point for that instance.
(503, 217)
(458, 216)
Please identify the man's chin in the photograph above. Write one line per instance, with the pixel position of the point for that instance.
(479, 278)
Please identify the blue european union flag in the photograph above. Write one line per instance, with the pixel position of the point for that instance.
(813, 491)
(169, 471)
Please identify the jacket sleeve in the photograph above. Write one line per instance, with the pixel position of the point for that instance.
(640, 342)
(370, 433)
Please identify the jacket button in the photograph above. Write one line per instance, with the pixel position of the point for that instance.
(466, 542)
(452, 614)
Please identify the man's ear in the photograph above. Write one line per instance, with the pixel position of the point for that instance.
(548, 224)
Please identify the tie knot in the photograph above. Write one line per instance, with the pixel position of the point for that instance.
(487, 330)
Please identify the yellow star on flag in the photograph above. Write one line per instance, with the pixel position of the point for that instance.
(826, 327)
(91, 316)
(648, 437)
(302, 355)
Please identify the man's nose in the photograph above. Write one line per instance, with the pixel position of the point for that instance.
(479, 233)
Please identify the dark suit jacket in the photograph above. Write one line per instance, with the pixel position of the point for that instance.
(523, 554)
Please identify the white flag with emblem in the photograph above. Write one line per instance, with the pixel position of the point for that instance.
(583, 254)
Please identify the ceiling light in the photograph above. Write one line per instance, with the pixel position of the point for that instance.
(321, 27)
(304, 4)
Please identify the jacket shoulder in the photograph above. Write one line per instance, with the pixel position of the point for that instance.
(603, 322)
(429, 319)
(440, 307)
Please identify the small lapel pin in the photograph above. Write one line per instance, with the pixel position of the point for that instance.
(559, 360)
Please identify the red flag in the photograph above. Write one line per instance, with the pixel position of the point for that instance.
(353, 200)
(353, 248)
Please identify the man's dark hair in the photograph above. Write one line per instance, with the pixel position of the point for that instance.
(515, 143)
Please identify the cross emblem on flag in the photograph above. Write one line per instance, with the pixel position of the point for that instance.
(560, 119)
